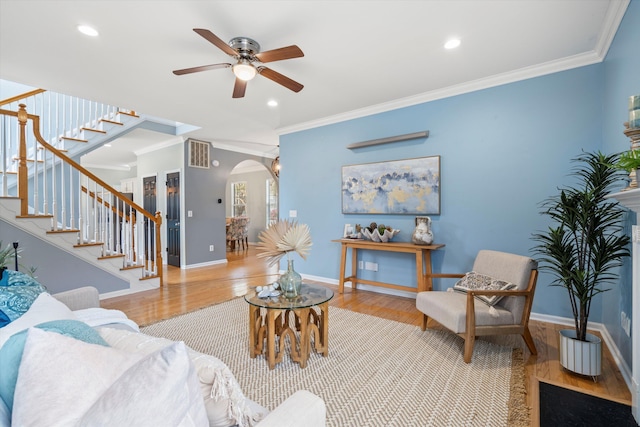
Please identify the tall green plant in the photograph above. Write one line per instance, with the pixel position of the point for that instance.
(586, 244)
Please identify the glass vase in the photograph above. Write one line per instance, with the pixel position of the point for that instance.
(290, 281)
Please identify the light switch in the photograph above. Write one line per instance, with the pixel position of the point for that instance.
(293, 214)
(189, 214)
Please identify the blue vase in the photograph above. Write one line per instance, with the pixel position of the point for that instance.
(290, 281)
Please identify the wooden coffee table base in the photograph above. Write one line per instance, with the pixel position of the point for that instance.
(274, 325)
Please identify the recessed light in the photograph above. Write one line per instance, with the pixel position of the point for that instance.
(452, 44)
(88, 31)
(272, 103)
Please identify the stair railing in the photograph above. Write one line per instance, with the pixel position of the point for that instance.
(64, 119)
(55, 186)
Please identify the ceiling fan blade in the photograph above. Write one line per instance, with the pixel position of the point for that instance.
(200, 68)
(288, 52)
(239, 88)
(212, 38)
(280, 79)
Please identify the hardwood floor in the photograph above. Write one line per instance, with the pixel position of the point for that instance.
(188, 290)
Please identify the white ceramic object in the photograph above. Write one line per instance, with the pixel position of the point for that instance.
(376, 237)
(264, 293)
(422, 234)
(581, 357)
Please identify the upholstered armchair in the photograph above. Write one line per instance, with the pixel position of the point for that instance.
(494, 299)
(238, 232)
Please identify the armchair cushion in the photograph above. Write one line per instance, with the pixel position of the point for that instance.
(473, 281)
(450, 310)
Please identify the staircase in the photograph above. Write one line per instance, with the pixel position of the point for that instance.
(49, 195)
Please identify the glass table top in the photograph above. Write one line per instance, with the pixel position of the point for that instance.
(310, 295)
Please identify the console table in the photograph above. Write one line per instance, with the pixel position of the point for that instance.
(421, 252)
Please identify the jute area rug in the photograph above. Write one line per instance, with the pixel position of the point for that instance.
(378, 372)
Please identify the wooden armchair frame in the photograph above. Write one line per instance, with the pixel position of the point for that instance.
(472, 330)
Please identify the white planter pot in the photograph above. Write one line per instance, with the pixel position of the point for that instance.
(581, 357)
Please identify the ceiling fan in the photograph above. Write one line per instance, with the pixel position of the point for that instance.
(249, 59)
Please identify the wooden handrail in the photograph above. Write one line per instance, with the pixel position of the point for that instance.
(36, 132)
(23, 96)
(22, 184)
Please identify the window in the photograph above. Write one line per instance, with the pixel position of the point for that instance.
(239, 197)
(272, 202)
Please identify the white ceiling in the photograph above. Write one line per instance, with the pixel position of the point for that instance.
(361, 57)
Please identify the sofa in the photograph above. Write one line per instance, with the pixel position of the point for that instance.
(122, 377)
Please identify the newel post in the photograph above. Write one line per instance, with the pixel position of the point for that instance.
(158, 248)
(23, 178)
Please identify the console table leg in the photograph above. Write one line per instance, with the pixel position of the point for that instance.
(428, 275)
(343, 262)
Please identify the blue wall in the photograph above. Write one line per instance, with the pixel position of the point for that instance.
(503, 150)
(621, 79)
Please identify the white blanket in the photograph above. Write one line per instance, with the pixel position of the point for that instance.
(101, 317)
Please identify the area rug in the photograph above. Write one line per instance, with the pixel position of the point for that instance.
(378, 372)
(560, 406)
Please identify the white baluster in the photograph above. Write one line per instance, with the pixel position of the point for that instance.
(45, 188)
(71, 200)
(54, 194)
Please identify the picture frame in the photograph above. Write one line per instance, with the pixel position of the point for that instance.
(348, 231)
(406, 187)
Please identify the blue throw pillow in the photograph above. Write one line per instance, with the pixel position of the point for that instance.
(11, 351)
(17, 293)
(4, 319)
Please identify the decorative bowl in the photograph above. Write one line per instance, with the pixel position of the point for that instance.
(375, 236)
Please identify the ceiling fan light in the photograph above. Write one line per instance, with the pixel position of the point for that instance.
(244, 71)
(452, 44)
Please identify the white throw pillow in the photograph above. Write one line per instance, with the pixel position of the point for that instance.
(225, 403)
(473, 281)
(63, 381)
(43, 309)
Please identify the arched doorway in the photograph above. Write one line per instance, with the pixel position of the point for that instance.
(252, 192)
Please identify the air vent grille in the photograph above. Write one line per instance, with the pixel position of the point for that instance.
(199, 154)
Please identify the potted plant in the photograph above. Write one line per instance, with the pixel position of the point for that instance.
(582, 250)
(629, 161)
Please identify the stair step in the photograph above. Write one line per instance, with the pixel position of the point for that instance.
(9, 173)
(111, 256)
(83, 245)
(155, 276)
(68, 138)
(35, 216)
(129, 113)
(131, 267)
(59, 149)
(113, 122)
(93, 130)
(68, 230)
(15, 159)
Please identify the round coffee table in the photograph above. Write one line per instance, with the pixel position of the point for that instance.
(271, 319)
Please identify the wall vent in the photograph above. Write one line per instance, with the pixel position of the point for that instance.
(199, 154)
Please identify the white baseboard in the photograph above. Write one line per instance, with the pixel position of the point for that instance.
(204, 264)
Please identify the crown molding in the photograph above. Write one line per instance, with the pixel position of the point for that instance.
(615, 13)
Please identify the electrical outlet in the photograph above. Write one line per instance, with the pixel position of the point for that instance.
(189, 214)
(625, 322)
(293, 214)
(210, 248)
